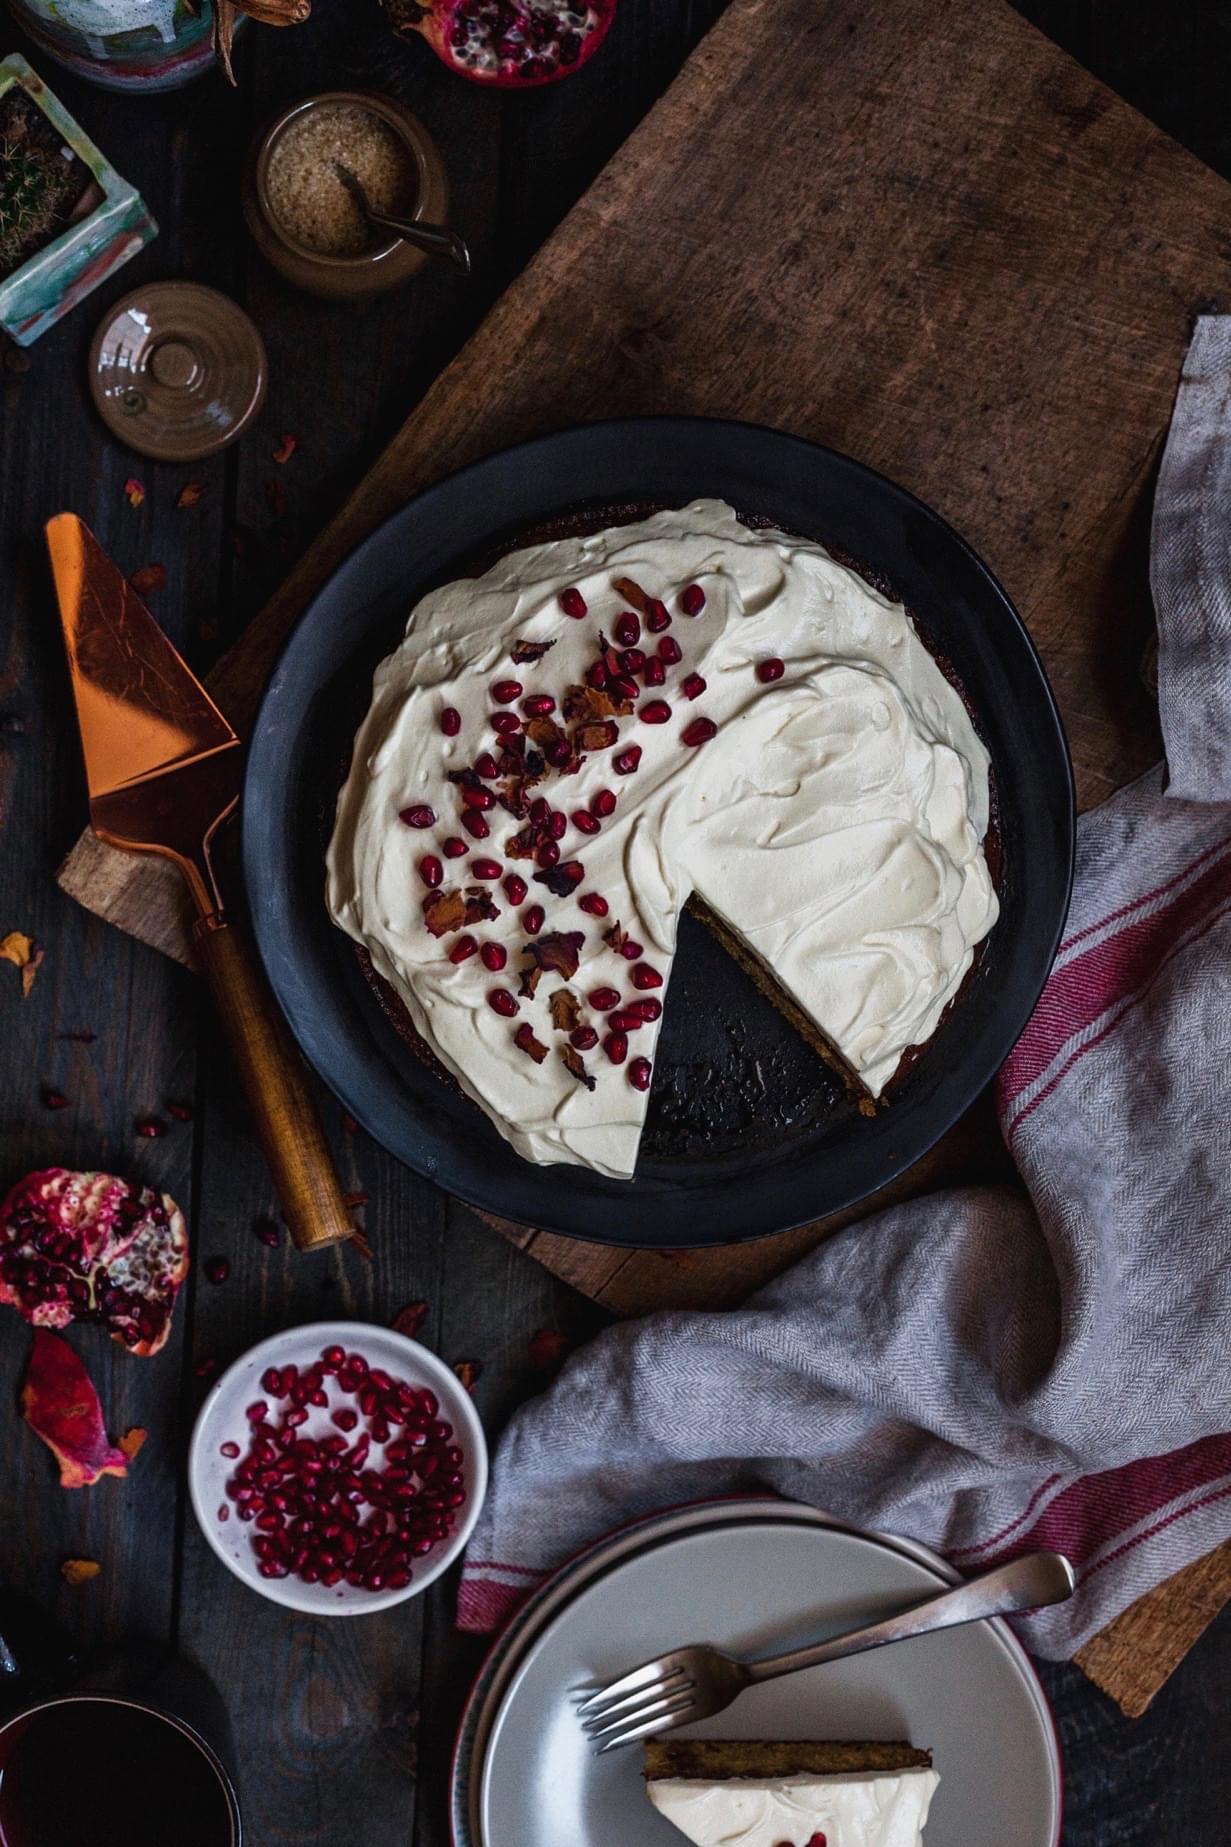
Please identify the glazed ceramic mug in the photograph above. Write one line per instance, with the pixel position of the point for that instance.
(65, 1754)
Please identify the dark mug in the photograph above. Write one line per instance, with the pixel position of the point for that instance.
(85, 1765)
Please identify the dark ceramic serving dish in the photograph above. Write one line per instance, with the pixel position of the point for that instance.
(748, 1132)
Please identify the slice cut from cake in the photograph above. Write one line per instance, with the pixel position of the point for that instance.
(563, 752)
(733, 1793)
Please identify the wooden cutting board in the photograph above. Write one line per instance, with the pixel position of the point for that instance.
(917, 232)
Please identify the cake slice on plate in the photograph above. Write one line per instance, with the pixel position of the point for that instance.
(733, 1793)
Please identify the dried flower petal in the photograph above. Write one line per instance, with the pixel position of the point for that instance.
(149, 578)
(547, 1349)
(285, 449)
(523, 651)
(133, 1441)
(565, 1009)
(468, 1371)
(410, 1319)
(576, 1065)
(134, 491)
(59, 1403)
(24, 953)
(77, 1571)
(190, 493)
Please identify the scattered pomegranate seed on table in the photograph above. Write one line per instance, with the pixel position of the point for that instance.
(770, 670)
(573, 604)
(450, 721)
(217, 1269)
(692, 599)
(326, 1511)
(55, 1099)
(181, 1111)
(268, 1233)
(150, 1126)
(420, 815)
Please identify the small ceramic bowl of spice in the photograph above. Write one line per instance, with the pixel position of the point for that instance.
(302, 214)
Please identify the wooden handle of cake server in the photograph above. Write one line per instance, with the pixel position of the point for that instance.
(275, 1083)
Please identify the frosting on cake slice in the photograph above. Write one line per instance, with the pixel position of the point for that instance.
(562, 751)
(882, 1802)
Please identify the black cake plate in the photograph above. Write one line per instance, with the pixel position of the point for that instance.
(748, 1132)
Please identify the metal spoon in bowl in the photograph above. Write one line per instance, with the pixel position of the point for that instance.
(436, 239)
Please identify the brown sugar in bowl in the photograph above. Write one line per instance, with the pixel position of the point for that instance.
(311, 197)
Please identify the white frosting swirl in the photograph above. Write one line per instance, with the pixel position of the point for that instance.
(834, 823)
(884, 1809)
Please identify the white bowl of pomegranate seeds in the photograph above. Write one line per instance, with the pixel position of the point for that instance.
(338, 1468)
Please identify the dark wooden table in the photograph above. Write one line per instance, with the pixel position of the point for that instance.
(343, 1729)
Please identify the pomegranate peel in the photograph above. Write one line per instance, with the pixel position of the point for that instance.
(509, 44)
(93, 1247)
(59, 1403)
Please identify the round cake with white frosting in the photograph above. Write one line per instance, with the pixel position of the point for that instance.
(563, 751)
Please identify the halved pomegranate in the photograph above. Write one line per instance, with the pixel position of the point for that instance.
(93, 1247)
(511, 44)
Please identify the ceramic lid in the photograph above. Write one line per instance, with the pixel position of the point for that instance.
(177, 371)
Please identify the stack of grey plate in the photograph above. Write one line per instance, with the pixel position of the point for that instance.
(755, 1576)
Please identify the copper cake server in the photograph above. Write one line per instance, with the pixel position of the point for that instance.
(163, 768)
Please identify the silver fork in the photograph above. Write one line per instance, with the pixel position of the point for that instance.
(697, 1681)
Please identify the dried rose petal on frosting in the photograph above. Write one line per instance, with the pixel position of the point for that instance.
(59, 1403)
(93, 1247)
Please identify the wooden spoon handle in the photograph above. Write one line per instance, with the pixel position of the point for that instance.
(276, 1085)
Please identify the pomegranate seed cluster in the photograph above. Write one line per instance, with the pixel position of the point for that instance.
(533, 737)
(349, 1475)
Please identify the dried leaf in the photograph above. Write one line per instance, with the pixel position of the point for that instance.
(547, 1349)
(565, 1010)
(190, 493)
(354, 1200)
(526, 1042)
(616, 937)
(134, 491)
(585, 705)
(24, 953)
(559, 952)
(59, 1403)
(410, 1319)
(76, 1571)
(133, 1441)
(149, 578)
(224, 35)
(524, 651)
(285, 449)
(468, 1371)
(576, 1064)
